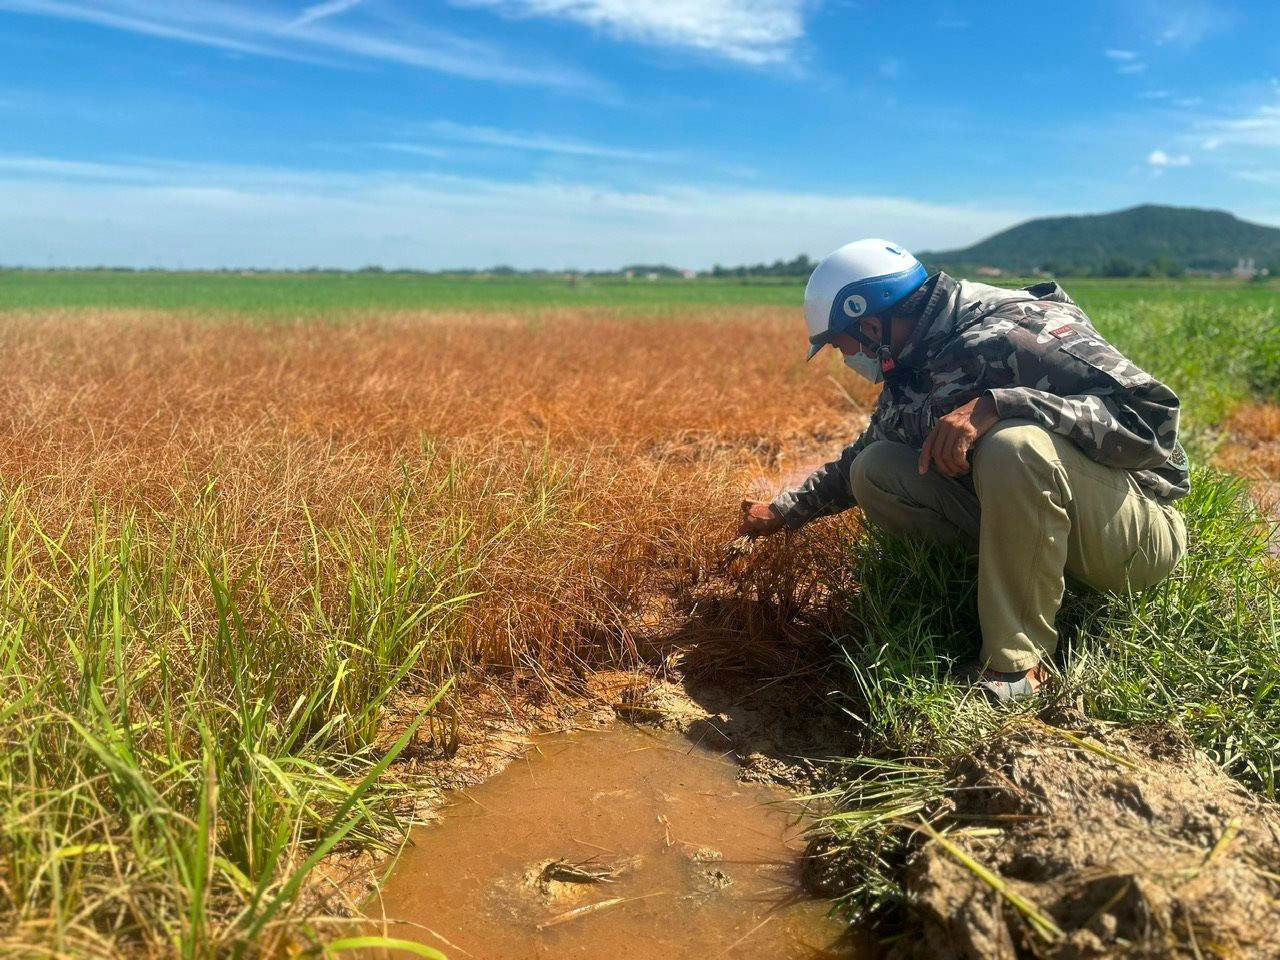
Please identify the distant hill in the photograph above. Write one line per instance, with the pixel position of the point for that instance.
(1193, 238)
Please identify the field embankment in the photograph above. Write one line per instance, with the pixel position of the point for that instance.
(235, 544)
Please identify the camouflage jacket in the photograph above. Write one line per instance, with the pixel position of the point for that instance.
(1038, 356)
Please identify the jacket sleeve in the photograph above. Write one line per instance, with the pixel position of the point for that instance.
(827, 491)
(1084, 389)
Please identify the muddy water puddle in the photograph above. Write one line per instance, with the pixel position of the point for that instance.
(625, 842)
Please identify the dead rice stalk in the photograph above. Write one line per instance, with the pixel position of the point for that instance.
(1041, 922)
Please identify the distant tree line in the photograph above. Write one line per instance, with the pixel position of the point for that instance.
(1110, 267)
(1119, 267)
(1156, 267)
(797, 268)
(801, 266)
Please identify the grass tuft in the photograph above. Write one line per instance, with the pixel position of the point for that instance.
(181, 746)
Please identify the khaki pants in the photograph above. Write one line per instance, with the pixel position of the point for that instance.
(1035, 507)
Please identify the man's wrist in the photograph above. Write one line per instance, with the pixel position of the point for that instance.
(991, 400)
(985, 412)
(792, 518)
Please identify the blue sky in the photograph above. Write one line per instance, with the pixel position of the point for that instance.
(592, 133)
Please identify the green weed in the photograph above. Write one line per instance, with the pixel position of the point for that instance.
(1215, 354)
(182, 746)
(328, 294)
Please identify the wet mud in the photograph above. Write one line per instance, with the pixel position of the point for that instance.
(623, 842)
(1085, 841)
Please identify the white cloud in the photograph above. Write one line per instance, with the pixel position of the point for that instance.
(52, 167)
(134, 18)
(1187, 23)
(322, 11)
(1160, 159)
(1267, 177)
(1126, 61)
(413, 149)
(1155, 95)
(540, 143)
(1259, 129)
(63, 213)
(749, 31)
(1240, 139)
(260, 30)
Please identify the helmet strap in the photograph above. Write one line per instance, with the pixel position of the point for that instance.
(863, 339)
(884, 351)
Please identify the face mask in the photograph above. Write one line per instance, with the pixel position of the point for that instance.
(864, 366)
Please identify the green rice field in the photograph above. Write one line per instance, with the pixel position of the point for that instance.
(311, 293)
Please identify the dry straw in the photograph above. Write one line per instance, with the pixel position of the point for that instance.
(227, 545)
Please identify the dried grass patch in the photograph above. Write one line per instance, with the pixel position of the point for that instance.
(595, 457)
(1252, 445)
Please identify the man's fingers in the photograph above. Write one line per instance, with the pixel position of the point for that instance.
(937, 452)
(753, 526)
(948, 445)
(922, 464)
(955, 450)
(942, 438)
(962, 454)
(942, 449)
(758, 519)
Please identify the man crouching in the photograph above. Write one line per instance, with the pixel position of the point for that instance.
(1006, 422)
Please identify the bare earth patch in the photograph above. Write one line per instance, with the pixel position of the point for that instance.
(1105, 843)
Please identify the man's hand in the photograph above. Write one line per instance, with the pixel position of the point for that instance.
(950, 441)
(759, 520)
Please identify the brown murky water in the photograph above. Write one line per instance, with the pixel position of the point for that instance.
(686, 861)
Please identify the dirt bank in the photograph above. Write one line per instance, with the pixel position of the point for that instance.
(1072, 839)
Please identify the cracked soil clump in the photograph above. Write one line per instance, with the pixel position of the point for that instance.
(1119, 844)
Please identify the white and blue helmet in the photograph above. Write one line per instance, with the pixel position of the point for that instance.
(860, 279)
